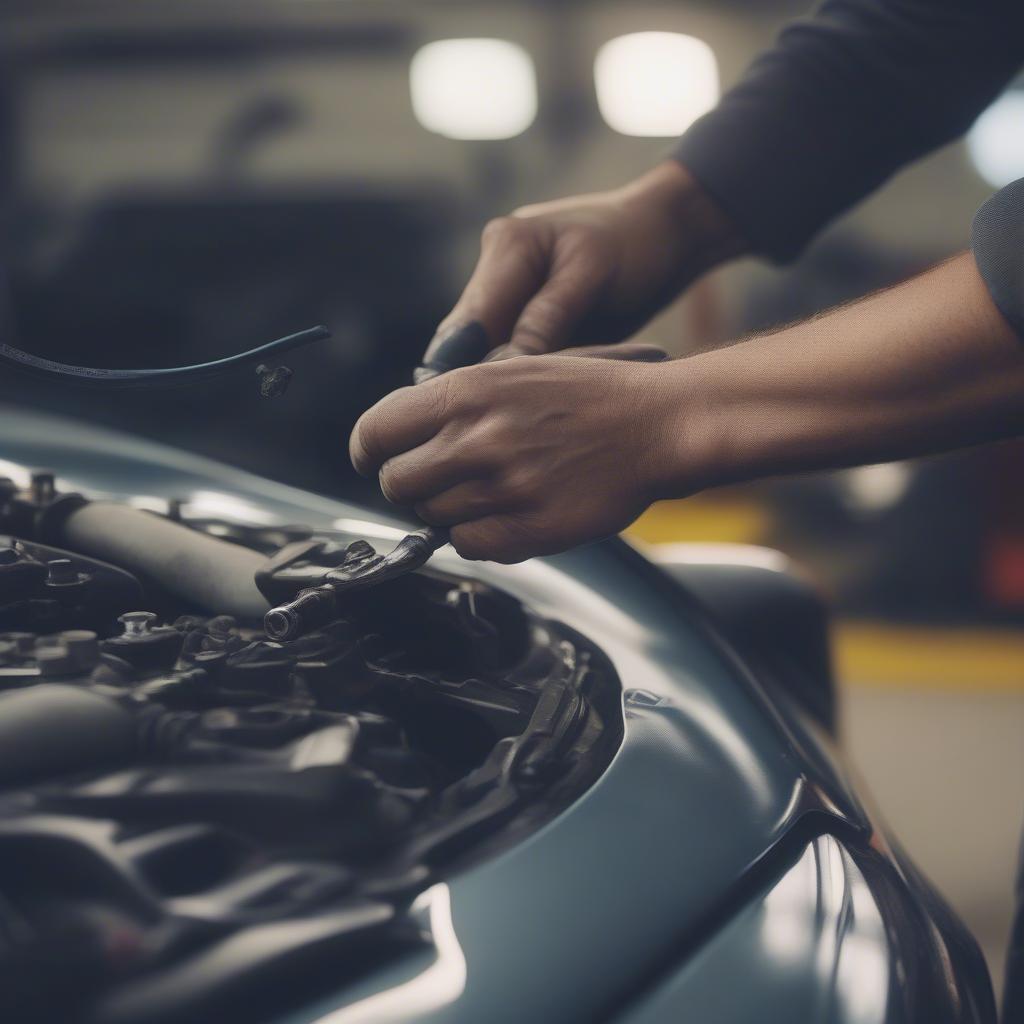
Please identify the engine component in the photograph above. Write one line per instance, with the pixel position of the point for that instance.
(44, 588)
(362, 568)
(51, 729)
(198, 821)
(212, 573)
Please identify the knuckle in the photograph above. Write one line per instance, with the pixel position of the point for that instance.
(390, 482)
(505, 539)
(518, 485)
(443, 392)
(487, 436)
(429, 511)
(503, 230)
(531, 210)
(515, 543)
(488, 448)
(468, 541)
(577, 239)
(533, 335)
(361, 445)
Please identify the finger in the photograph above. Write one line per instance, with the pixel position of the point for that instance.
(547, 321)
(428, 470)
(631, 351)
(513, 264)
(402, 420)
(462, 346)
(466, 501)
(628, 351)
(498, 538)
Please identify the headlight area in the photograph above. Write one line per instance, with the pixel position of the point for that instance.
(199, 823)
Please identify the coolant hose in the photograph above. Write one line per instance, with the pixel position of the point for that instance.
(213, 574)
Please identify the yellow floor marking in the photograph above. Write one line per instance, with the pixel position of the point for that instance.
(867, 653)
(702, 519)
(870, 654)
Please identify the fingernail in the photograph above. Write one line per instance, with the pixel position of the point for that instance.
(461, 346)
(423, 373)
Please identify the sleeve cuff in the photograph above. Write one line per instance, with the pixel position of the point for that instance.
(997, 238)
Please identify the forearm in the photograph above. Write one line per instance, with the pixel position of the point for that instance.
(531, 456)
(923, 367)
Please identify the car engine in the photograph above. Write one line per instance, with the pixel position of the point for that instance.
(199, 823)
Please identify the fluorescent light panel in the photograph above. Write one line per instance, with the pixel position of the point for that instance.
(655, 84)
(996, 142)
(473, 88)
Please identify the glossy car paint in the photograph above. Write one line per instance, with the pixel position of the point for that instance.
(720, 869)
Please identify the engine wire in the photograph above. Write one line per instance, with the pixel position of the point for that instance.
(156, 377)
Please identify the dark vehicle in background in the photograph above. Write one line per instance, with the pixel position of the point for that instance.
(183, 183)
(559, 791)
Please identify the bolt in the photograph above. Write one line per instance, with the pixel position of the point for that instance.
(61, 571)
(136, 623)
(174, 507)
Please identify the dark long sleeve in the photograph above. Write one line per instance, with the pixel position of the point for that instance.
(847, 96)
(997, 238)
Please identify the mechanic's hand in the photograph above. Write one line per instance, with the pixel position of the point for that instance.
(524, 457)
(593, 267)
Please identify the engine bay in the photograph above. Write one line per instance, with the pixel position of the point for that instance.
(201, 823)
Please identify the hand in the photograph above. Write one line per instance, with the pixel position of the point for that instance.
(595, 266)
(531, 456)
(525, 456)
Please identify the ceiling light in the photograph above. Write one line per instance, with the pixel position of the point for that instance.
(996, 142)
(473, 88)
(655, 83)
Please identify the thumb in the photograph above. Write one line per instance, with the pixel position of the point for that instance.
(513, 265)
(627, 351)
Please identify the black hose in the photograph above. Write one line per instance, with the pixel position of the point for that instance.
(169, 376)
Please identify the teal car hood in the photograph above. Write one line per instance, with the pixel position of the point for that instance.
(713, 796)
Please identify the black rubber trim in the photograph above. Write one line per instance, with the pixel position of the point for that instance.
(997, 238)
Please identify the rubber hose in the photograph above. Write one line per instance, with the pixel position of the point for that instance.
(157, 377)
(212, 574)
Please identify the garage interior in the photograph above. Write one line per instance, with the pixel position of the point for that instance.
(185, 180)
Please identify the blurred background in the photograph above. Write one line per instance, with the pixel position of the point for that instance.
(184, 180)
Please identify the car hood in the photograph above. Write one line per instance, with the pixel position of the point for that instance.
(709, 785)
